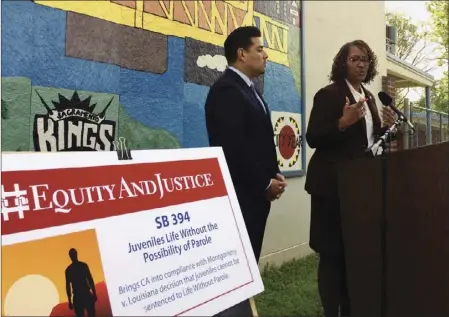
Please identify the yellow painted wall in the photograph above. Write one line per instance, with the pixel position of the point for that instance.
(274, 32)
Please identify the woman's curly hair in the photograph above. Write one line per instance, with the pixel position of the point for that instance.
(340, 66)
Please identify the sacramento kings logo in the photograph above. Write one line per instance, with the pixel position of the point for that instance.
(73, 126)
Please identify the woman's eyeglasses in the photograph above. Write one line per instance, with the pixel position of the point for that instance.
(358, 59)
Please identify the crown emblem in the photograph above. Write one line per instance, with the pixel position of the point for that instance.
(66, 108)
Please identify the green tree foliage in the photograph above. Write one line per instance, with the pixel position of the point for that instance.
(438, 95)
(411, 39)
(412, 44)
(439, 11)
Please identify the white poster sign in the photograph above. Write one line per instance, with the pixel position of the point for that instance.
(159, 235)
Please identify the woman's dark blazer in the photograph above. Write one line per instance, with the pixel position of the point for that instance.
(332, 145)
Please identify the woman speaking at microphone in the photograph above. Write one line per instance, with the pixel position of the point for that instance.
(343, 123)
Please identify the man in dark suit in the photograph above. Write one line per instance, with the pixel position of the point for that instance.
(238, 120)
(344, 121)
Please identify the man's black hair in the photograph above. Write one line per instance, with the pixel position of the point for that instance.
(239, 38)
(340, 66)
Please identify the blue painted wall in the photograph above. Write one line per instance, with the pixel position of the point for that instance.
(34, 47)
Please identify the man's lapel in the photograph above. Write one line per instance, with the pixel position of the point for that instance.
(252, 98)
(246, 90)
(267, 111)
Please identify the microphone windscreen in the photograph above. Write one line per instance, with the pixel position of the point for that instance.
(385, 98)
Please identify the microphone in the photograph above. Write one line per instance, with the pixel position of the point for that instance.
(387, 101)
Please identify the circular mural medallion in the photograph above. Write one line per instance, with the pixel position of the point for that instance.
(288, 141)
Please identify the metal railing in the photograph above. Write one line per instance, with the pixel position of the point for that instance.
(390, 46)
(431, 126)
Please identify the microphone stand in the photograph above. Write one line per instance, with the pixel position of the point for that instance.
(378, 149)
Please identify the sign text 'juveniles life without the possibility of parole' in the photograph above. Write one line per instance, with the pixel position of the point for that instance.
(161, 234)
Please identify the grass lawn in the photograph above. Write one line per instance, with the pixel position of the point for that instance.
(290, 290)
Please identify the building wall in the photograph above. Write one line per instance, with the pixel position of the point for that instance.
(77, 75)
(388, 85)
(327, 26)
(139, 70)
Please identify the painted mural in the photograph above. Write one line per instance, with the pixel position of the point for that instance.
(77, 75)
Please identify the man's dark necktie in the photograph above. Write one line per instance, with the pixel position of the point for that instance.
(258, 99)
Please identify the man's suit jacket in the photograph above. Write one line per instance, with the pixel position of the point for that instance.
(332, 145)
(236, 121)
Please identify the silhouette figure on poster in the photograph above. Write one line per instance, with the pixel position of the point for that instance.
(79, 281)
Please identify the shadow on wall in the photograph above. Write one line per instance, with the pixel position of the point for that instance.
(79, 74)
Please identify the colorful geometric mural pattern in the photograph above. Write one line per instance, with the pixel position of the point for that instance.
(79, 74)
